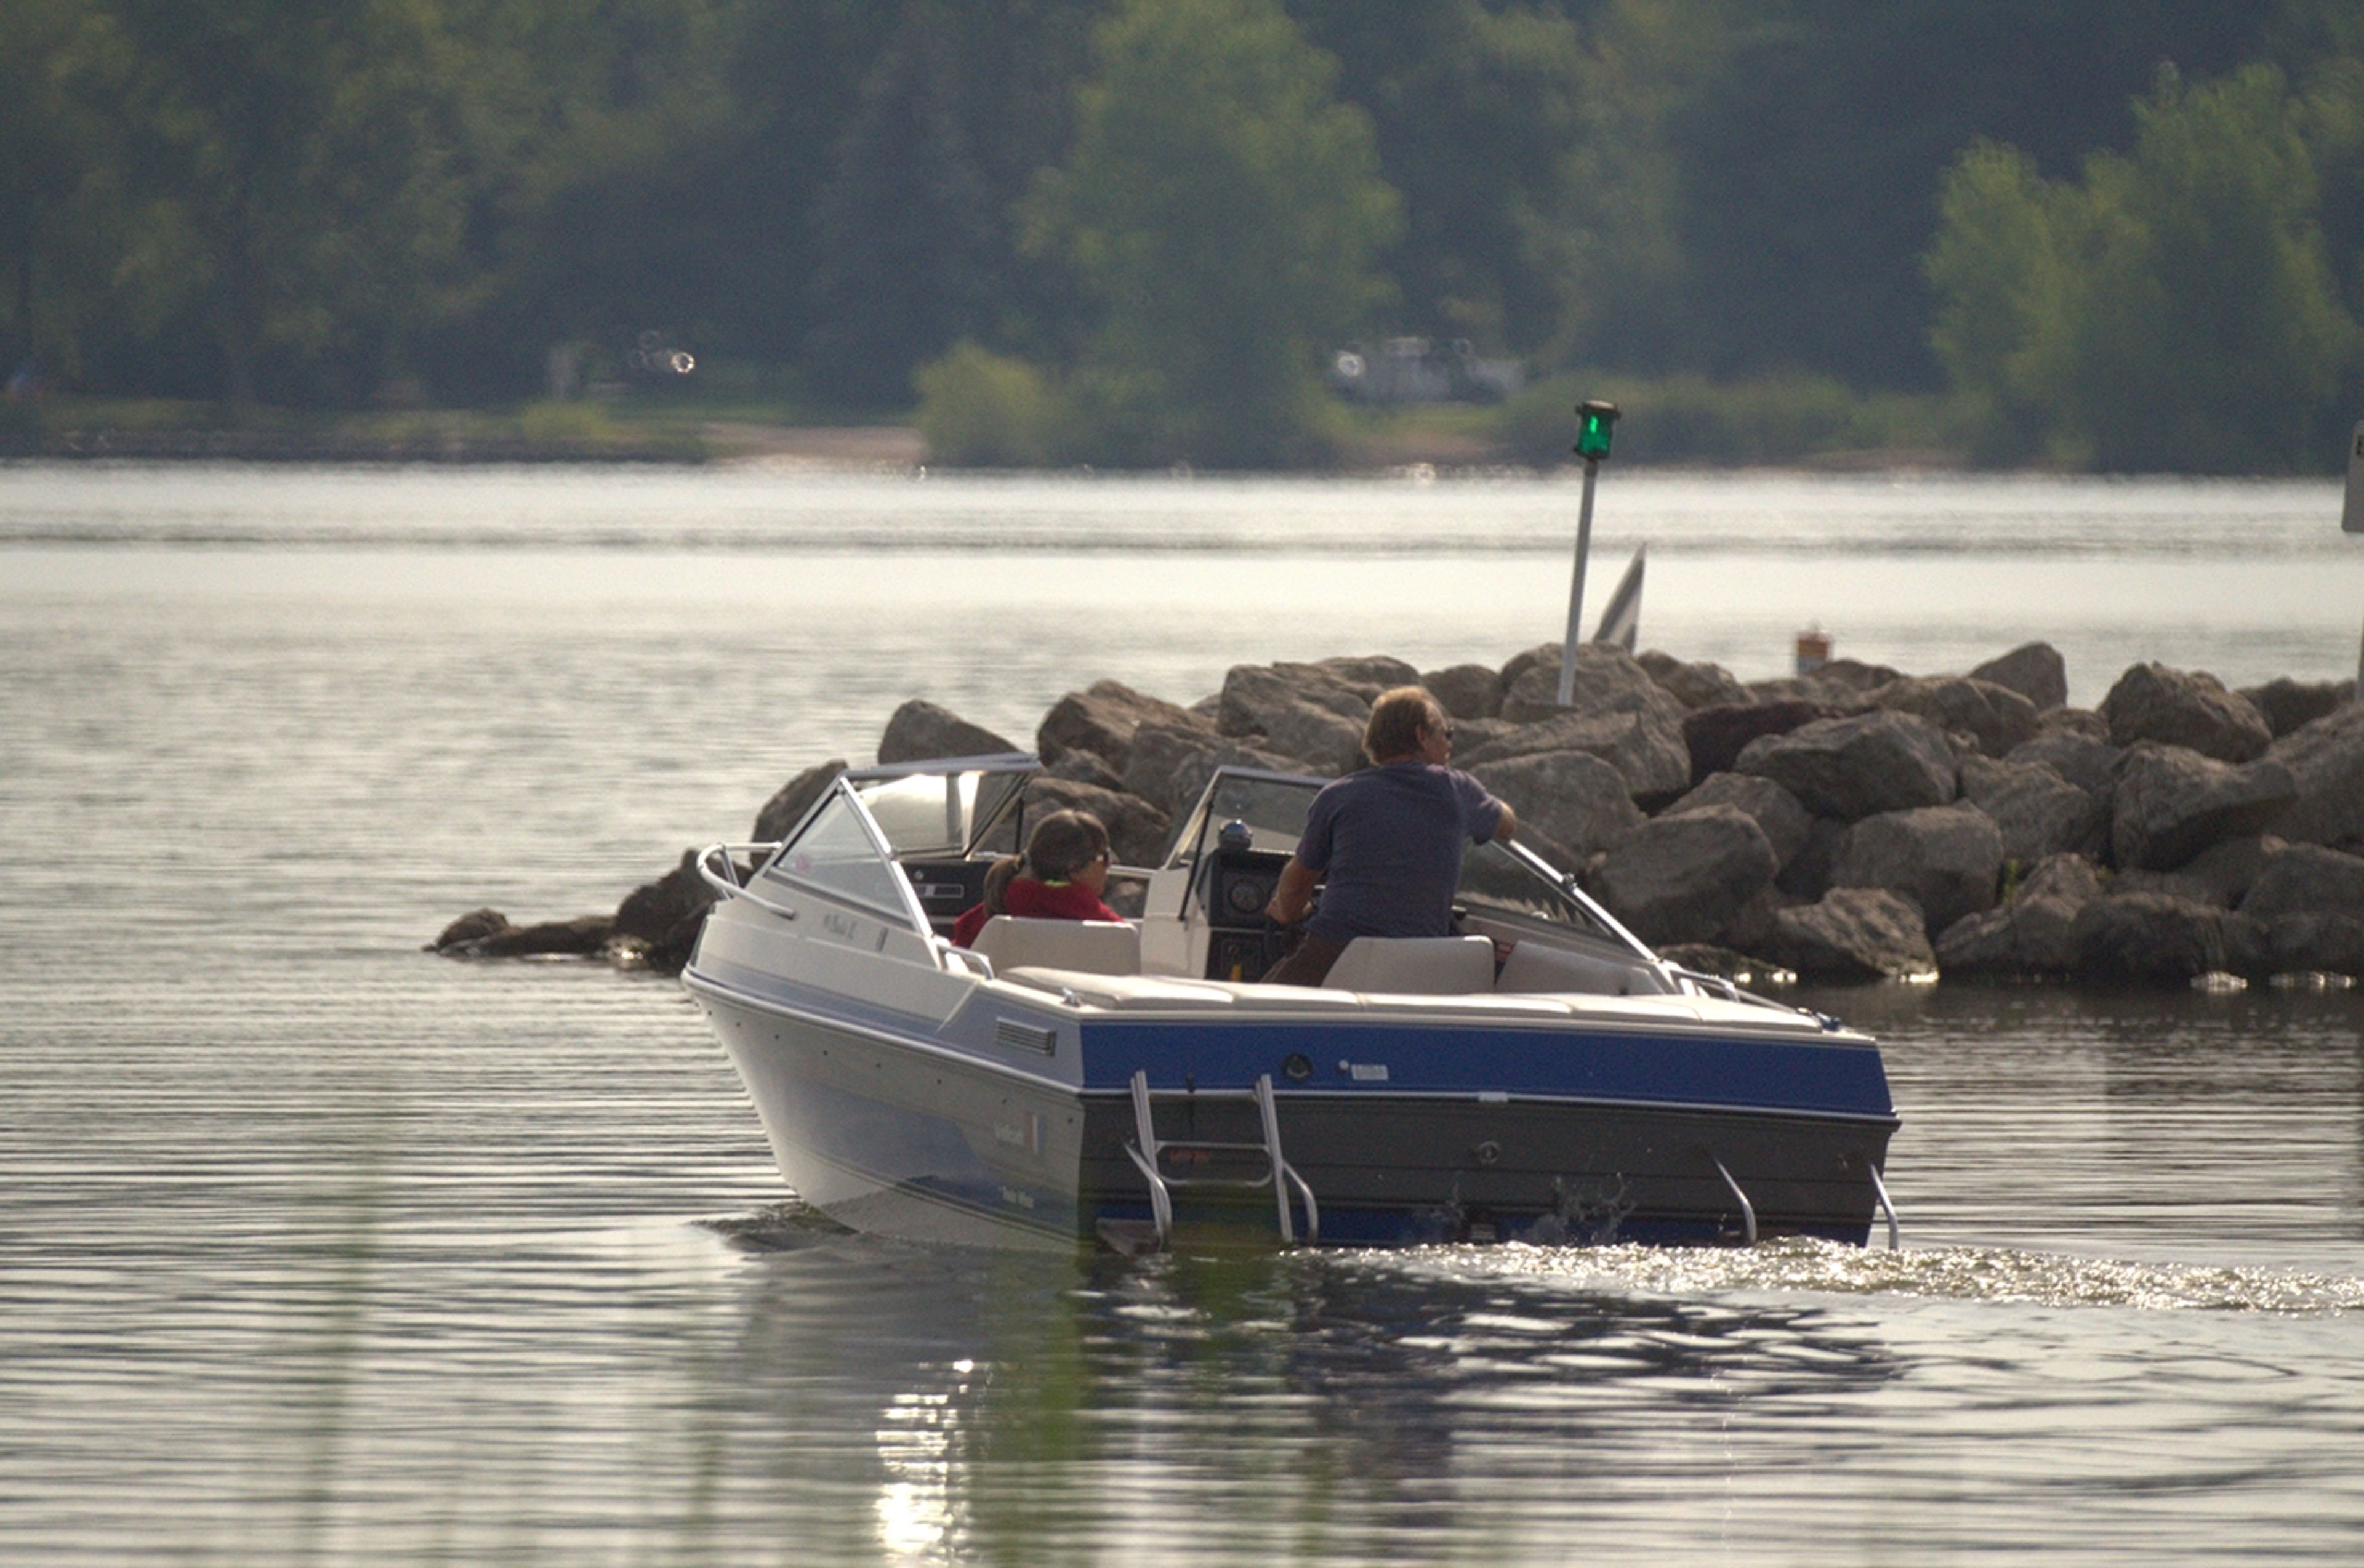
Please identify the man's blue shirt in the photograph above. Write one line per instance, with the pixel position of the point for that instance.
(1387, 842)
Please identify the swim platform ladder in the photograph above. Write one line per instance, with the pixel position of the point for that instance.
(1147, 1149)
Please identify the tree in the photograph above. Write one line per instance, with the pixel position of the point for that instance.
(2173, 311)
(902, 227)
(1224, 212)
(1805, 140)
(293, 162)
(1478, 116)
(49, 163)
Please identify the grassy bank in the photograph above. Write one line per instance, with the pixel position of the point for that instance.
(1794, 422)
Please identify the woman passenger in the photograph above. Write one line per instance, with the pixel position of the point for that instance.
(1061, 877)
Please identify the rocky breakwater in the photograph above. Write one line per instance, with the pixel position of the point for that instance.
(1854, 823)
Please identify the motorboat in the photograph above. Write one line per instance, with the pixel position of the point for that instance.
(1540, 1076)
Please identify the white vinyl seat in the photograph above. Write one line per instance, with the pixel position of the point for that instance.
(1428, 966)
(1536, 969)
(1093, 947)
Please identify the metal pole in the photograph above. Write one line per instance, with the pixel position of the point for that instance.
(1576, 589)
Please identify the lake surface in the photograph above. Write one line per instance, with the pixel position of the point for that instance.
(315, 1249)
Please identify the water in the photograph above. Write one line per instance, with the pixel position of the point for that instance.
(317, 1249)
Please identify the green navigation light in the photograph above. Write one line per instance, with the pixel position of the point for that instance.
(1595, 422)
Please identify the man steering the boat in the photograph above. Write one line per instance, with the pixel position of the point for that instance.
(1386, 841)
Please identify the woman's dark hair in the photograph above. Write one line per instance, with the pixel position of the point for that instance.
(1061, 845)
(1064, 843)
(997, 884)
(1396, 719)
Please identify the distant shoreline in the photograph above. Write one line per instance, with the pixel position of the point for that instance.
(824, 447)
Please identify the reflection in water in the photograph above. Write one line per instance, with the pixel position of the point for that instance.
(1317, 1406)
(1442, 1403)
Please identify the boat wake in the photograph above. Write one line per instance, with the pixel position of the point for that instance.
(1952, 1273)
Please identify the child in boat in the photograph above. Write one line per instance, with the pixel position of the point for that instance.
(1061, 877)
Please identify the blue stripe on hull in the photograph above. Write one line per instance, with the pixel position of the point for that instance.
(1740, 1072)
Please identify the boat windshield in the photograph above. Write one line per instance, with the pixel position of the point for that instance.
(1519, 882)
(941, 813)
(1272, 804)
(837, 852)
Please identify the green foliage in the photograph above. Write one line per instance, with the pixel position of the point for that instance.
(2174, 310)
(1475, 109)
(1772, 420)
(1224, 212)
(902, 233)
(985, 410)
(1784, 219)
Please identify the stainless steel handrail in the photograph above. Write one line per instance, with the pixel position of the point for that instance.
(1895, 1240)
(977, 964)
(729, 886)
(1748, 1209)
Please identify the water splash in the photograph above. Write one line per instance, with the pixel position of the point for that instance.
(1955, 1274)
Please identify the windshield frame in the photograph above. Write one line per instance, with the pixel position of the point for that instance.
(999, 788)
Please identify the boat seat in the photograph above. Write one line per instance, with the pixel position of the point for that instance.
(1093, 947)
(1535, 968)
(1426, 966)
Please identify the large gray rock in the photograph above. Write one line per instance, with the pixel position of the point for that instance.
(1303, 712)
(1774, 809)
(1623, 719)
(2181, 707)
(584, 937)
(2221, 875)
(2306, 879)
(1853, 768)
(1101, 720)
(1573, 799)
(2075, 721)
(1947, 859)
(1171, 763)
(1687, 877)
(1853, 933)
(1996, 717)
(1608, 680)
(652, 911)
(920, 730)
(2157, 938)
(660, 921)
(2038, 813)
(1371, 673)
(2171, 803)
(1716, 735)
(1252, 691)
(2035, 669)
(1137, 831)
(2288, 705)
(2326, 762)
(1517, 665)
(2035, 933)
(1806, 874)
(1463, 691)
(2327, 943)
(1835, 679)
(793, 799)
(1695, 685)
(2086, 761)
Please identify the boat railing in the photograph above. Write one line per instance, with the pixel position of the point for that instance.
(726, 883)
(950, 957)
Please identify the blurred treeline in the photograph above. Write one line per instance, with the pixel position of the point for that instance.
(2103, 233)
